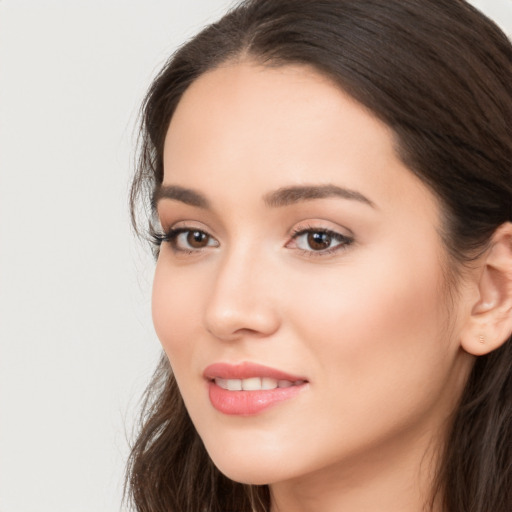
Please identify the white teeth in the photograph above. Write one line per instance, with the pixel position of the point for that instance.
(234, 385)
(268, 383)
(222, 383)
(229, 384)
(254, 384)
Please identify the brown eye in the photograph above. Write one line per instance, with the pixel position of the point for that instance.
(197, 239)
(319, 241)
(189, 240)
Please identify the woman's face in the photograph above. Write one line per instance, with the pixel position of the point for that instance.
(304, 258)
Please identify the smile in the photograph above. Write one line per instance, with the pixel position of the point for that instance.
(247, 389)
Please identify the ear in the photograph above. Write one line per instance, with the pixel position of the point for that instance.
(490, 322)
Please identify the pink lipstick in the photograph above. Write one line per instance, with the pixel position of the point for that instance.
(247, 389)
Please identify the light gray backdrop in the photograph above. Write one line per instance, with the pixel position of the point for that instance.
(76, 342)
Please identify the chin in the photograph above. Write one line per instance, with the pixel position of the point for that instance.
(248, 474)
(252, 469)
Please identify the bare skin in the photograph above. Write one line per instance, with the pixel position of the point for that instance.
(304, 244)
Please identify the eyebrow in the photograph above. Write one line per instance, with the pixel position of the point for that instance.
(184, 195)
(290, 195)
(284, 196)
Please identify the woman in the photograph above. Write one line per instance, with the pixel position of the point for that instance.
(331, 199)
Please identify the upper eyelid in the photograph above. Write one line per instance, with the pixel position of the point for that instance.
(178, 230)
(334, 234)
(185, 224)
(323, 226)
(301, 231)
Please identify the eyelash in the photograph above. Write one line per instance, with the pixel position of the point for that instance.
(343, 241)
(171, 236)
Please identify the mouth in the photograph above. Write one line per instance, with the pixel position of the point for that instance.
(255, 384)
(247, 389)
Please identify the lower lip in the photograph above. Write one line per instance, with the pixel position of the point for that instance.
(248, 403)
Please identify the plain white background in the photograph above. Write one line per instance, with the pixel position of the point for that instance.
(76, 342)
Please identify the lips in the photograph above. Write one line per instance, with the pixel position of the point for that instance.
(247, 389)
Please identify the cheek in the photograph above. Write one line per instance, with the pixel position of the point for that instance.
(175, 309)
(375, 340)
(376, 326)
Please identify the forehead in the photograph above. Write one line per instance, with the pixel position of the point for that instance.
(272, 105)
(275, 127)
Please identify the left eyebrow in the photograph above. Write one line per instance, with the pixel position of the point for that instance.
(290, 195)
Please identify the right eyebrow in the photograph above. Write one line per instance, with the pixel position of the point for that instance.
(177, 193)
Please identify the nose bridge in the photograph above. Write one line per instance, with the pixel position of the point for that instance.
(240, 301)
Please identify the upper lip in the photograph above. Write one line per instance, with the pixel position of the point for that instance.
(246, 370)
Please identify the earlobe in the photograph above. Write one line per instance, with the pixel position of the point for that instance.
(490, 321)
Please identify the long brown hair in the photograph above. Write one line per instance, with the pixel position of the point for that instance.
(439, 73)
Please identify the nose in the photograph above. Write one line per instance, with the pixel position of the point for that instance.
(243, 300)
